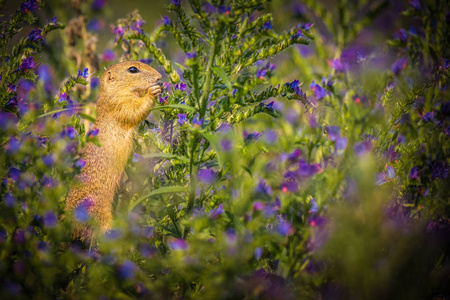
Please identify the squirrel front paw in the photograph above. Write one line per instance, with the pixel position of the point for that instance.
(154, 91)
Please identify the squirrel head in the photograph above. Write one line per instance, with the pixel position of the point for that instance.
(126, 87)
(128, 79)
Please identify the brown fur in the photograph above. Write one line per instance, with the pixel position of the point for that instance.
(124, 102)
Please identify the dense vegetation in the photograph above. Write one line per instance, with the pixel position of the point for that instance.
(304, 163)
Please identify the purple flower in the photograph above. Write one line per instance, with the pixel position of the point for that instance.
(413, 172)
(263, 188)
(191, 55)
(93, 132)
(109, 55)
(258, 253)
(252, 137)
(197, 122)
(226, 145)
(267, 25)
(65, 97)
(182, 118)
(27, 64)
(19, 236)
(48, 160)
(306, 169)
(362, 148)
(261, 73)
(119, 32)
(35, 35)
(295, 85)
(289, 186)
(48, 182)
(98, 4)
(138, 25)
(14, 174)
(316, 221)
(294, 155)
(27, 6)
(333, 132)
(446, 63)
(313, 121)
(137, 158)
(84, 74)
(49, 219)
(113, 234)
(80, 163)
(216, 212)
(297, 35)
(319, 92)
(401, 35)
(314, 207)
(180, 86)
(69, 132)
(225, 10)
(13, 145)
(95, 25)
(81, 212)
(337, 65)
(163, 100)
(390, 172)
(207, 176)
(166, 20)
(176, 2)
(415, 4)
(209, 8)
(258, 206)
(284, 228)
(270, 136)
(341, 143)
(127, 270)
(178, 244)
(9, 200)
(439, 169)
(146, 60)
(399, 65)
(428, 117)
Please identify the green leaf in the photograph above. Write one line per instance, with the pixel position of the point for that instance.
(247, 170)
(167, 156)
(182, 68)
(87, 117)
(221, 73)
(170, 231)
(213, 141)
(163, 190)
(395, 136)
(179, 106)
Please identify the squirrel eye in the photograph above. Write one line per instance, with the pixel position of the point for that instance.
(133, 70)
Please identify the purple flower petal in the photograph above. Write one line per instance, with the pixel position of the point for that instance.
(207, 176)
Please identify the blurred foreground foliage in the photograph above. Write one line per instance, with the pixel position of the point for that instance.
(292, 165)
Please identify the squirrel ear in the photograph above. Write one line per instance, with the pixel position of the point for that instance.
(110, 77)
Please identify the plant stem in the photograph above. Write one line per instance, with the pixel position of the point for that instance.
(209, 73)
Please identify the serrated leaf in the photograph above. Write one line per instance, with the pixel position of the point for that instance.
(179, 106)
(167, 156)
(221, 73)
(163, 190)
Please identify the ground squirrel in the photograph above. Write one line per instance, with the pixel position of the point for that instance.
(127, 93)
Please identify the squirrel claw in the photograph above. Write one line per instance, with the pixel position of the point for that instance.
(154, 90)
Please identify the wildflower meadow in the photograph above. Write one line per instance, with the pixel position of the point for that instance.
(299, 150)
